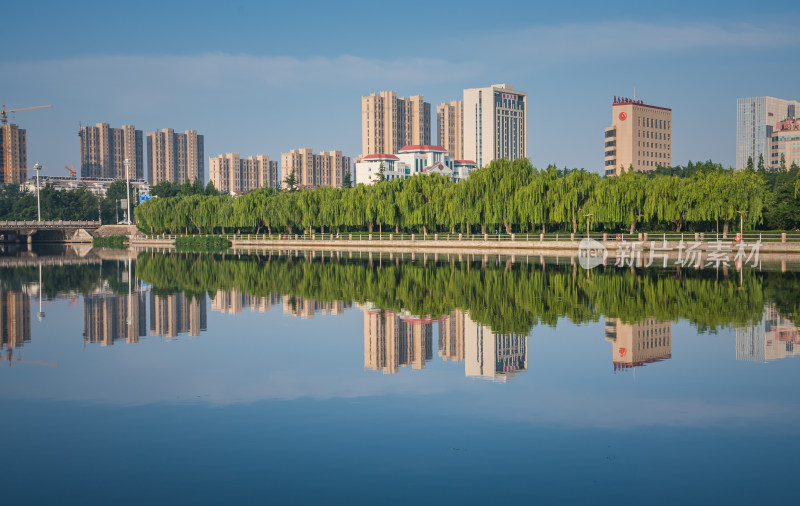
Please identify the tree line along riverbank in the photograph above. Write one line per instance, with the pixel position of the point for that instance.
(506, 197)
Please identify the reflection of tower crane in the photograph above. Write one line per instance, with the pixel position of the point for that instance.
(71, 169)
(10, 357)
(4, 113)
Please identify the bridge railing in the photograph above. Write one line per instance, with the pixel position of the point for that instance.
(49, 224)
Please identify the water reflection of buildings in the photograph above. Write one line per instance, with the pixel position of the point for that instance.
(108, 318)
(637, 344)
(175, 314)
(392, 340)
(307, 308)
(773, 338)
(491, 355)
(15, 319)
(232, 302)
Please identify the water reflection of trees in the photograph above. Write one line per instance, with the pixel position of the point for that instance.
(507, 296)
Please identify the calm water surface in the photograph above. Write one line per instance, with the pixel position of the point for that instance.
(307, 378)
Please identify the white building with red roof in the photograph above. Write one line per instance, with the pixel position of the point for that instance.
(409, 161)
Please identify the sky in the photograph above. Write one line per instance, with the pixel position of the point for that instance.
(264, 78)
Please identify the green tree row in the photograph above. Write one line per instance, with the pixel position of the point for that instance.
(507, 297)
(508, 196)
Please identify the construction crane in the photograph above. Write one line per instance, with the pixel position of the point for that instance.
(4, 113)
(71, 169)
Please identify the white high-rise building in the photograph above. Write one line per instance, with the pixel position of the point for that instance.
(755, 119)
(495, 122)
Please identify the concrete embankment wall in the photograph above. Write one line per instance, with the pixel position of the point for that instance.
(483, 246)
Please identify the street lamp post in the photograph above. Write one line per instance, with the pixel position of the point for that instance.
(741, 223)
(38, 199)
(128, 189)
(587, 224)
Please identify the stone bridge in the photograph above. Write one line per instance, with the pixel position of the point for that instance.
(56, 231)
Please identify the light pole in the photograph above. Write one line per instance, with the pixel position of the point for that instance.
(38, 200)
(741, 224)
(128, 189)
(40, 314)
(587, 224)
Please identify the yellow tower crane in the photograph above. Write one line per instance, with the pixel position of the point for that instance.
(4, 113)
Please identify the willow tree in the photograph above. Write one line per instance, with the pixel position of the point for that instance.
(383, 199)
(568, 195)
(532, 200)
(420, 200)
(619, 200)
(669, 199)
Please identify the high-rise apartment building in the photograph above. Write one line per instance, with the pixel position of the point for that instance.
(233, 301)
(755, 120)
(231, 173)
(175, 157)
(392, 340)
(450, 127)
(171, 315)
(451, 336)
(325, 169)
(389, 123)
(307, 308)
(13, 154)
(640, 136)
(105, 149)
(637, 344)
(108, 318)
(15, 319)
(785, 145)
(495, 122)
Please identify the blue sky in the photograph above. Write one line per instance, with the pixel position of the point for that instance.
(261, 78)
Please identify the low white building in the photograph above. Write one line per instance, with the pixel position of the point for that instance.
(409, 161)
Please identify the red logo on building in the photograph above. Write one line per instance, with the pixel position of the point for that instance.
(623, 116)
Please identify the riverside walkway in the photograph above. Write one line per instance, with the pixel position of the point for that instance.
(767, 243)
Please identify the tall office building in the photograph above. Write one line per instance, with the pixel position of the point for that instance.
(15, 319)
(230, 173)
(495, 122)
(634, 345)
(175, 314)
(175, 157)
(785, 145)
(389, 123)
(108, 318)
(13, 154)
(325, 169)
(450, 128)
(640, 136)
(105, 149)
(755, 120)
(392, 340)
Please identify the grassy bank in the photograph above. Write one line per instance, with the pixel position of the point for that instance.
(201, 243)
(111, 241)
